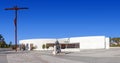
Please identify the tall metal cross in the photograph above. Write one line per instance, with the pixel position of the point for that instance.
(15, 21)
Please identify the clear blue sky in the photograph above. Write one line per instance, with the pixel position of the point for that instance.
(60, 18)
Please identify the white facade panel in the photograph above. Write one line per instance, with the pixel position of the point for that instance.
(93, 42)
(37, 42)
(90, 42)
(107, 43)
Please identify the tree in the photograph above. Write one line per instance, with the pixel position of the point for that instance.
(10, 44)
(2, 42)
(1, 37)
(43, 46)
(47, 46)
(116, 40)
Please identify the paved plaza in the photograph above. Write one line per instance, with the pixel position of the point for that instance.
(111, 55)
(3, 58)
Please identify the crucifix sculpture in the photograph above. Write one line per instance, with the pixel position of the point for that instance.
(15, 21)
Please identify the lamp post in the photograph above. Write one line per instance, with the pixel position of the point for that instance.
(15, 21)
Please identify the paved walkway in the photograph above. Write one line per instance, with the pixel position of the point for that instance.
(84, 56)
(36, 57)
(95, 56)
(3, 58)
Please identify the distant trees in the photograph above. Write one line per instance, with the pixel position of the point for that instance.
(10, 44)
(2, 42)
(115, 41)
(1, 38)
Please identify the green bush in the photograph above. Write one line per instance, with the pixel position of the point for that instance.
(43, 46)
(113, 45)
(47, 46)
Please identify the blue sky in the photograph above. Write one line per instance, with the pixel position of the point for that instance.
(60, 18)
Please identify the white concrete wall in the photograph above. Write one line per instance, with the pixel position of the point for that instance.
(92, 42)
(107, 43)
(63, 40)
(37, 42)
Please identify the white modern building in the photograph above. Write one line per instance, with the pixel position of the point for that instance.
(68, 44)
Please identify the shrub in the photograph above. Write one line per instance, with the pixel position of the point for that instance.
(47, 46)
(113, 45)
(43, 46)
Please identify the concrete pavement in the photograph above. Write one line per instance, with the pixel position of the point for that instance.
(36, 57)
(3, 58)
(84, 56)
